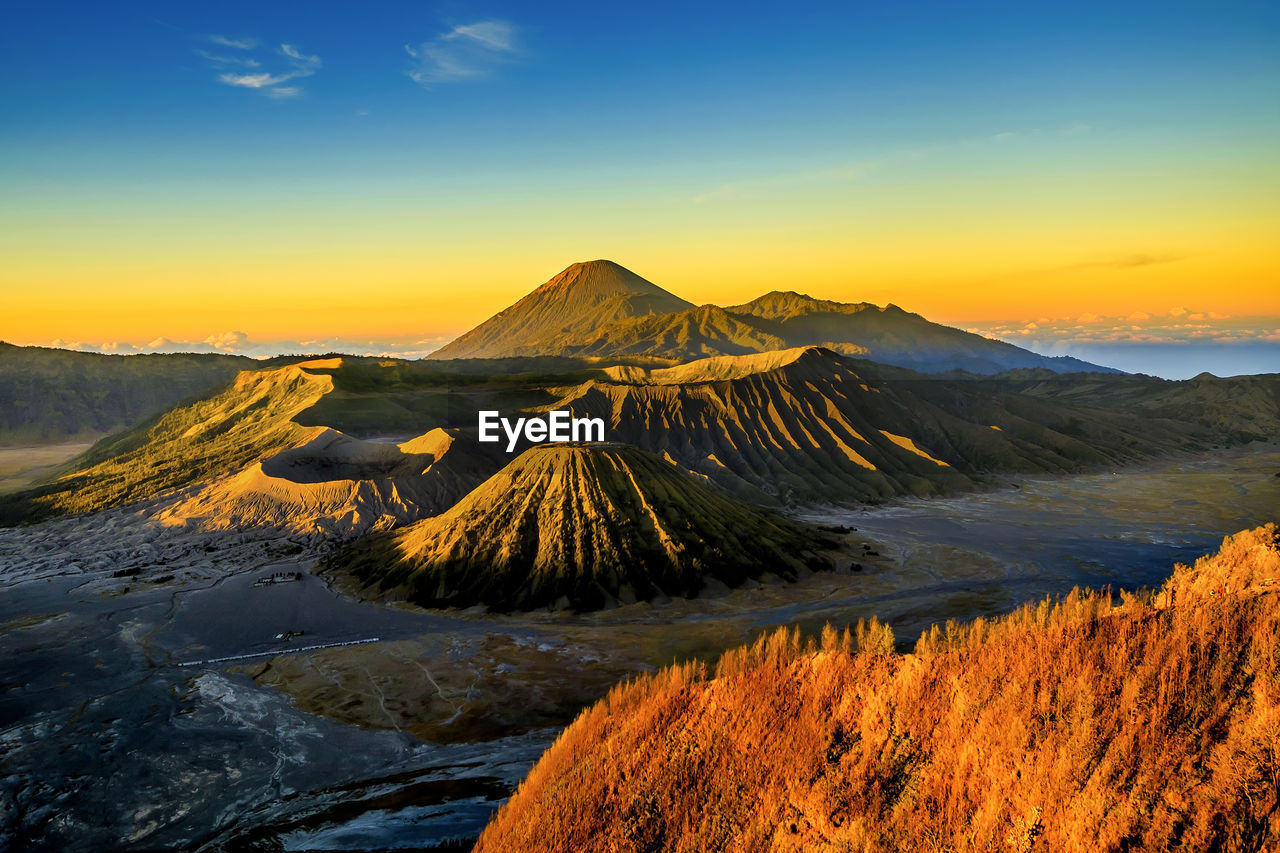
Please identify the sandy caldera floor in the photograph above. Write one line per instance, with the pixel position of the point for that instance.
(22, 465)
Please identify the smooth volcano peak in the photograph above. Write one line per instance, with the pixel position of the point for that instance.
(602, 278)
(570, 308)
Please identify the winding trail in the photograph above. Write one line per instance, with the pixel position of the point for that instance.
(273, 652)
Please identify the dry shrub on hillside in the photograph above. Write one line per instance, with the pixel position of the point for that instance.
(1071, 725)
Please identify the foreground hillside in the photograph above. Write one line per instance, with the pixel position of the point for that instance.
(1080, 725)
(582, 526)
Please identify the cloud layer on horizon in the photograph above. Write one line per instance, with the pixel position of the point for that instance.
(1175, 344)
(239, 343)
(1178, 325)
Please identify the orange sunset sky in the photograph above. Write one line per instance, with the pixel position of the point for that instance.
(400, 174)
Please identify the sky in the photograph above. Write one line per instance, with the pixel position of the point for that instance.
(1084, 178)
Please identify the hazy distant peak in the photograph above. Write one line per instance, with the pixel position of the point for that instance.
(785, 304)
(599, 278)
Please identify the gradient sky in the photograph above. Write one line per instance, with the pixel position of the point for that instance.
(327, 171)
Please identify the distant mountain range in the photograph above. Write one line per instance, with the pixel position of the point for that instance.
(600, 309)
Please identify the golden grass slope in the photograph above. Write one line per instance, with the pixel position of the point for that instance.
(582, 526)
(1080, 725)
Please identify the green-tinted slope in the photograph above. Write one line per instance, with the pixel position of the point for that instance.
(53, 395)
(376, 397)
(581, 526)
(217, 435)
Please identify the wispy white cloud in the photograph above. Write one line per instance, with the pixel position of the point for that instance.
(234, 43)
(301, 59)
(291, 64)
(252, 81)
(228, 341)
(467, 52)
(219, 59)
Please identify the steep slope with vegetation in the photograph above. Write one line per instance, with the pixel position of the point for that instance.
(582, 526)
(1152, 724)
(53, 395)
(684, 335)
(214, 436)
(808, 425)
